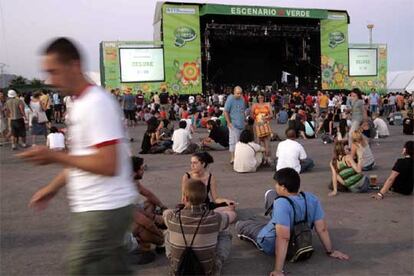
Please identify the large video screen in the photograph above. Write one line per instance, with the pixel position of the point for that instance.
(362, 62)
(141, 64)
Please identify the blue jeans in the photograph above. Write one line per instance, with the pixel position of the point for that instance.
(306, 165)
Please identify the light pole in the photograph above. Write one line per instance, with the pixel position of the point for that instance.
(2, 77)
(370, 27)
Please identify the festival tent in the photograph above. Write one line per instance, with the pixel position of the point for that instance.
(400, 81)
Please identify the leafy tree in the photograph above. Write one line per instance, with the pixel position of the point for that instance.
(36, 82)
(18, 81)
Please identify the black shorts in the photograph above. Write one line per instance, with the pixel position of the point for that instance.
(57, 107)
(18, 128)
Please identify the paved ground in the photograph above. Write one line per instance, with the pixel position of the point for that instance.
(378, 235)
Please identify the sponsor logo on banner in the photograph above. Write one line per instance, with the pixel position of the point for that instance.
(181, 10)
(336, 38)
(184, 34)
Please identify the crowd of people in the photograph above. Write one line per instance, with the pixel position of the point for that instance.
(104, 179)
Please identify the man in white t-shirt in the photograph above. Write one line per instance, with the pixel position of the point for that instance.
(380, 126)
(97, 173)
(182, 140)
(291, 154)
(191, 100)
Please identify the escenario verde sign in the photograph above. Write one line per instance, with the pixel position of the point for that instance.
(263, 11)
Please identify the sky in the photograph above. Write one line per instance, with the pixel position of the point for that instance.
(25, 26)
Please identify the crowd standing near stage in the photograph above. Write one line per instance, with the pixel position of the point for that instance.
(103, 177)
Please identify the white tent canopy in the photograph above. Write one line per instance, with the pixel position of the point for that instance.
(400, 81)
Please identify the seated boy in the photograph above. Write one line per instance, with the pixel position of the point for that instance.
(212, 243)
(273, 237)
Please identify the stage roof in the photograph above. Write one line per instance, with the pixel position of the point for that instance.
(219, 9)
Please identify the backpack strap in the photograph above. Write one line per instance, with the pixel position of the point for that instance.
(195, 233)
(306, 207)
(209, 184)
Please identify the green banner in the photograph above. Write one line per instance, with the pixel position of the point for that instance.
(334, 53)
(182, 48)
(263, 11)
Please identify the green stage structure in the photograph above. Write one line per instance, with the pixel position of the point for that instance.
(177, 30)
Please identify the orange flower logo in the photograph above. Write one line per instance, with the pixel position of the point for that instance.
(145, 87)
(190, 71)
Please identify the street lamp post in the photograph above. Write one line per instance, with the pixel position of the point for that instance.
(370, 27)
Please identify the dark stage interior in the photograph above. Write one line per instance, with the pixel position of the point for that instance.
(255, 50)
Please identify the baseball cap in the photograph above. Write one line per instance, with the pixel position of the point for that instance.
(12, 94)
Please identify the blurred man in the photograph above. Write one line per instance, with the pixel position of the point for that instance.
(97, 168)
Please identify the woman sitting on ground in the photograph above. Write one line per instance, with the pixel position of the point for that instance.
(248, 155)
(401, 177)
(199, 171)
(361, 151)
(327, 128)
(342, 131)
(346, 174)
(150, 141)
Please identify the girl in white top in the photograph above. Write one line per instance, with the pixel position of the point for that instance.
(55, 140)
(248, 156)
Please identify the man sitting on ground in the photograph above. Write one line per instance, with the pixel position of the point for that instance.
(272, 237)
(182, 140)
(380, 126)
(218, 138)
(212, 241)
(291, 154)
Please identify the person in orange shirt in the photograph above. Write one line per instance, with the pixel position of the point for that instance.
(323, 102)
(262, 114)
(400, 102)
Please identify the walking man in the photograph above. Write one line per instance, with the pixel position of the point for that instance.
(97, 172)
(14, 109)
(234, 114)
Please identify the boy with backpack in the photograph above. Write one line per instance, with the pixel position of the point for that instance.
(197, 240)
(287, 235)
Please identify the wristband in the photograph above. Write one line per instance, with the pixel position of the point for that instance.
(329, 253)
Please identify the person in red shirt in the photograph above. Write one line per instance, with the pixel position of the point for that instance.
(309, 100)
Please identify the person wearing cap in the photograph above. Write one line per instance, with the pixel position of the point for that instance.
(14, 109)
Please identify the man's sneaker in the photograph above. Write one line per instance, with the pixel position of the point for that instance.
(14, 147)
(246, 238)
